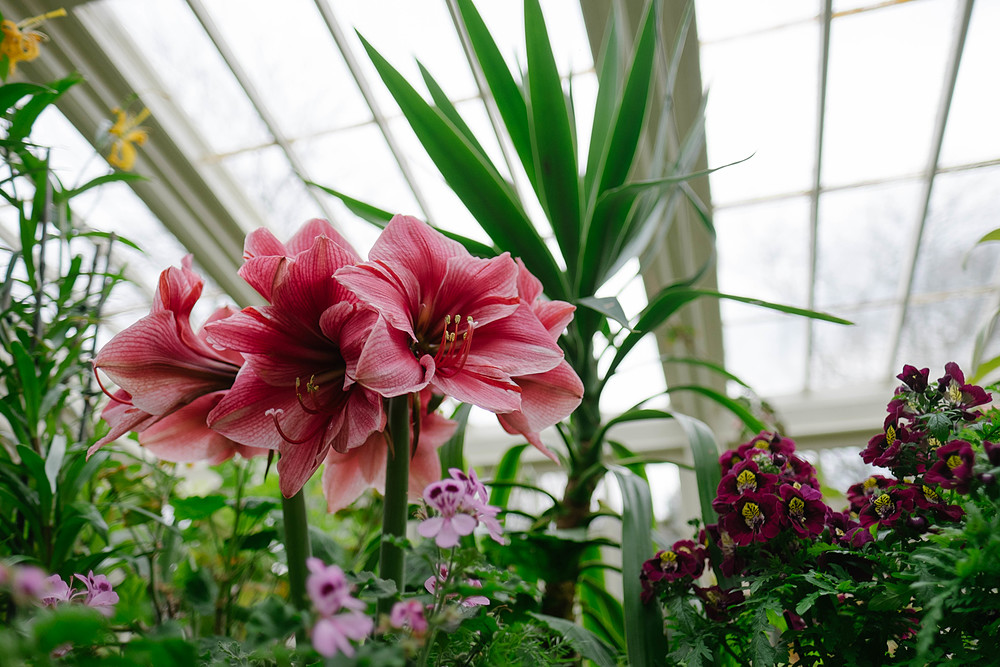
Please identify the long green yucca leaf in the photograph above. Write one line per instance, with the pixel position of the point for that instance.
(608, 306)
(670, 299)
(602, 612)
(704, 363)
(644, 640)
(452, 453)
(380, 218)
(506, 472)
(680, 41)
(448, 109)
(477, 183)
(631, 112)
(553, 147)
(505, 91)
(608, 100)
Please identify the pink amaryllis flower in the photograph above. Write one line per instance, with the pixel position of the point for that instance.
(170, 377)
(294, 393)
(347, 475)
(550, 396)
(446, 320)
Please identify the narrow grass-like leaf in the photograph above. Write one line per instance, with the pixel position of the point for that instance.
(506, 471)
(704, 363)
(608, 100)
(558, 180)
(12, 93)
(446, 107)
(671, 298)
(24, 118)
(116, 177)
(583, 641)
(602, 612)
(748, 418)
(644, 638)
(505, 91)
(477, 183)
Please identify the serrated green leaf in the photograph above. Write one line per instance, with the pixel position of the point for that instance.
(583, 641)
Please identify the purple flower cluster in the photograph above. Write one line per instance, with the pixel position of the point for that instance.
(342, 616)
(29, 584)
(461, 504)
(684, 562)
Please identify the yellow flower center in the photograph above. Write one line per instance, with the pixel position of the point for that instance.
(745, 481)
(869, 485)
(930, 494)
(668, 559)
(890, 435)
(797, 508)
(933, 442)
(752, 514)
(954, 461)
(884, 505)
(954, 392)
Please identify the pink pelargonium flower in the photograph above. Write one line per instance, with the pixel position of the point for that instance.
(329, 589)
(99, 594)
(347, 475)
(333, 634)
(449, 498)
(432, 582)
(170, 377)
(294, 393)
(56, 592)
(446, 319)
(549, 397)
(408, 614)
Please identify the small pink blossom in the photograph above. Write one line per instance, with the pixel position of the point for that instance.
(408, 614)
(329, 589)
(28, 582)
(99, 594)
(56, 591)
(477, 500)
(450, 499)
(331, 635)
(433, 581)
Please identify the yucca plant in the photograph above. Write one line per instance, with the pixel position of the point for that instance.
(600, 215)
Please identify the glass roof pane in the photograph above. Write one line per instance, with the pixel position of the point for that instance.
(865, 238)
(403, 32)
(770, 78)
(190, 70)
(358, 163)
(939, 331)
(720, 19)
(963, 208)
(845, 356)
(273, 40)
(973, 133)
(275, 191)
(885, 79)
(769, 355)
(764, 251)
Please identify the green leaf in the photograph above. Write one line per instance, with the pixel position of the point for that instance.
(77, 624)
(607, 102)
(506, 472)
(990, 236)
(24, 118)
(27, 376)
(12, 93)
(448, 109)
(477, 183)
(60, 196)
(748, 418)
(644, 638)
(505, 91)
(552, 141)
(197, 508)
(451, 453)
(608, 306)
(671, 298)
(705, 453)
(583, 641)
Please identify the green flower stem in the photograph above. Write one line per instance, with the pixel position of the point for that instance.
(296, 547)
(397, 482)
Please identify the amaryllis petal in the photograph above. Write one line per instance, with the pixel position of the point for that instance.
(183, 437)
(518, 344)
(484, 386)
(546, 398)
(387, 366)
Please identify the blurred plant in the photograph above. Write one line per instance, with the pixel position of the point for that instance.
(20, 43)
(599, 216)
(907, 571)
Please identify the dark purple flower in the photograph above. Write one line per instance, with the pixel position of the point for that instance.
(840, 525)
(992, 452)
(954, 390)
(883, 449)
(718, 602)
(756, 517)
(859, 494)
(930, 500)
(915, 380)
(802, 510)
(953, 469)
(745, 477)
(888, 507)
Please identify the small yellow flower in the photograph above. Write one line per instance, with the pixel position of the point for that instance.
(21, 44)
(125, 136)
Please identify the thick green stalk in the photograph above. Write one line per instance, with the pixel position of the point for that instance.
(397, 482)
(296, 546)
